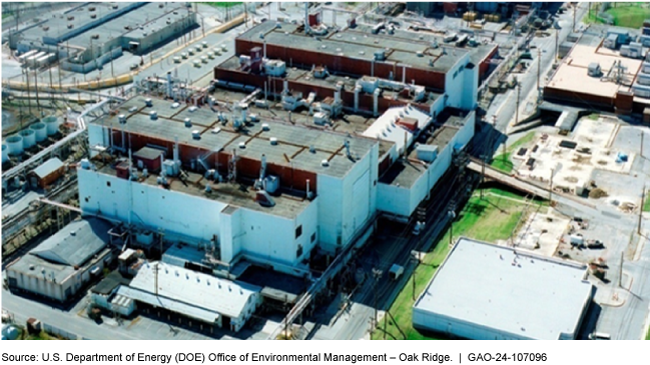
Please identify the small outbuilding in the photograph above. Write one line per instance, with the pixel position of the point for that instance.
(60, 266)
(47, 173)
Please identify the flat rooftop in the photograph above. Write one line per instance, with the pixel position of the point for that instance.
(292, 149)
(359, 45)
(305, 76)
(234, 194)
(406, 173)
(353, 124)
(58, 25)
(476, 54)
(572, 75)
(508, 290)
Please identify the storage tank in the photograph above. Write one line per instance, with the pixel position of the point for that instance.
(52, 124)
(40, 130)
(29, 138)
(5, 153)
(15, 144)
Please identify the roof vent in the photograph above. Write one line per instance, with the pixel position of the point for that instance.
(325, 163)
(196, 134)
(153, 115)
(265, 127)
(188, 122)
(148, 102)
(70, 26)
(71, 17)
(274, 141)
(73, 233)
(93, 16)
(121, 118)
(420, 53)
(95, 36)
(242, 145)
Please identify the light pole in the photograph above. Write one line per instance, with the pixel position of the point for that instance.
(415, 257)
(451, 214)
(376, 274)
(483, 159)
(550, 190)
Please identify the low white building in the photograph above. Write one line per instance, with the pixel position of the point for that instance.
(60, 266)
(409, 179)
(205, 298)
(488, 292)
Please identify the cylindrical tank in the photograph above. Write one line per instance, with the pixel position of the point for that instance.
(29, 138)
(15, 144)
(52, 124)
(40, 130)
(5, 153)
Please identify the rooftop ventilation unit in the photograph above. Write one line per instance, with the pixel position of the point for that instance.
(148, 102)
(196, 134)
(325, 163)
(93, 16)
(273, 140)
(70, 26)
(121, 118)
(153, 115)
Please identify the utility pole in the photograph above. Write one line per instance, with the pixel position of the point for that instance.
(29, 104)
(539, 63)
(642, 135)
(451, 213)
(517, 107)
(483, 158)
(638, 230)
(155, 272)
(557, 34)
(575, 10)
(550, 190)
(620, 272)
(376, 274)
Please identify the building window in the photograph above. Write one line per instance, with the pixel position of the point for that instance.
(313, 237)
(108, 183)
(299, 251)
(299, 231)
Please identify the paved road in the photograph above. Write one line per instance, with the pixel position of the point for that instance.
(503, 105)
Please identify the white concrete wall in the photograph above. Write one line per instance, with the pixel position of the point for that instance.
(255, 300)
(458, 328)
(402, 201)
(339, 214)
(461, 84)
(97, 135)
(149, 206)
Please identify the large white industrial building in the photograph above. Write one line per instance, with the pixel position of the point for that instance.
(488, 292)
(268, 191)
(280, 227)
